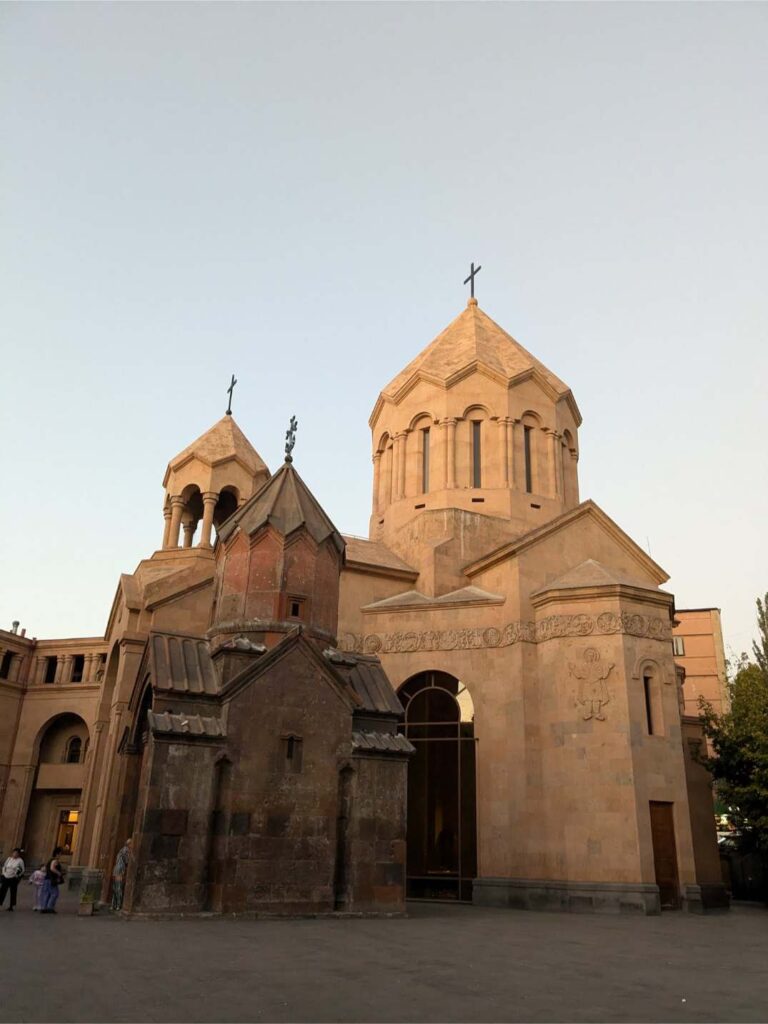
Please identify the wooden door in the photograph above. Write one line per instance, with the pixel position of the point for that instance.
(665, 854)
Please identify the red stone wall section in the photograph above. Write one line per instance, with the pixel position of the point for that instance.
(274, 846)
(374, 859)
(169, 870)
(260, 576)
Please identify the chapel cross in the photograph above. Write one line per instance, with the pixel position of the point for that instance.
(230, 389)
(471, 279)
(290, 439)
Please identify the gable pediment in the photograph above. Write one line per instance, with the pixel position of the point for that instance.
(647, 568)
(412, 599)
(294, 645)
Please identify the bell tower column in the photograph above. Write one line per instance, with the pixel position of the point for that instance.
(209, 504)
(177, 507)
(167, 530)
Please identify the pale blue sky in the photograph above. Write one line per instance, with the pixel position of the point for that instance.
(294, 192)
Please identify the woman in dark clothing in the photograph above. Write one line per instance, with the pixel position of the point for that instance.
(54, 876)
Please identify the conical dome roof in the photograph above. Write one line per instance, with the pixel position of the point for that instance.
(225, 440)
(286, 503)
(472, 339)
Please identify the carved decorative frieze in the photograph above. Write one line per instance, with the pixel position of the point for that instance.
(471, 638)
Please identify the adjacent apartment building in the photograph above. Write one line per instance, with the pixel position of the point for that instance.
(697, 642)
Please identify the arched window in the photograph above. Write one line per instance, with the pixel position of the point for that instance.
(477, 419)
(532, 476)
(226, 505)
(417, 441)
(73, 750)
(652, 699)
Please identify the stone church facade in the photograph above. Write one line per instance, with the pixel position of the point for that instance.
(479, 702)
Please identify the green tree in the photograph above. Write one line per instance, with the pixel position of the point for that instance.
(739, 739)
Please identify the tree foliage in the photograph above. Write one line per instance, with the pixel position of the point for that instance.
(739, 739)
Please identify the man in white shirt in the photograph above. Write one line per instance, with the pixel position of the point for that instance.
(13, 869)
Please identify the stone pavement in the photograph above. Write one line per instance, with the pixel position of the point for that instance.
(443, 963)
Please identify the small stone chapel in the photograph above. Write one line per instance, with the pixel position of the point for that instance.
(478, 703)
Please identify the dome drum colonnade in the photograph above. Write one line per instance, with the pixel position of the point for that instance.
(412, 463)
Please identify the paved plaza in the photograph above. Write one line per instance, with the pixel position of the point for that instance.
(442, 963)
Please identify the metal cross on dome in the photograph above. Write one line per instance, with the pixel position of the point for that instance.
(471, 279)
(230, 389)
(290, 439)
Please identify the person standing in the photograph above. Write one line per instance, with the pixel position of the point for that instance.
(118, 875)
(37, 878)
(13, 869)
(54, 876)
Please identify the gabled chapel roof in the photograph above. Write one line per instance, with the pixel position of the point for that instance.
(358, 679)
(181, 664)
(366, 676)
(286, 503)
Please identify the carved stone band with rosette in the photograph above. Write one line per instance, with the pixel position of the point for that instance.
(472, 638)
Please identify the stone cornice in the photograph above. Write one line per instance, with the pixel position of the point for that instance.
(75, 645)
(174, 467)
(133, 639)
(409, 602)
(421, 376)
(373, 569)
(51, 690)
(595, 592)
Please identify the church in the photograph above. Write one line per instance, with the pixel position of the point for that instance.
(478, 703)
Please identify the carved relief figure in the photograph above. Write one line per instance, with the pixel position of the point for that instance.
(593, 693)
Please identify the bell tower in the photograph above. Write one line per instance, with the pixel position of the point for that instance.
(207, 482)
(473, 423)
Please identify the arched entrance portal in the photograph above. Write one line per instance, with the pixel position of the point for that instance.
(53, 816)
(442, 830)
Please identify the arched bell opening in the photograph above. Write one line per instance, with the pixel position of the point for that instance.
(442, 827)
(192, 513)
(226, 505)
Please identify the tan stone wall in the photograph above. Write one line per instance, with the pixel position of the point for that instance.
(39, 706)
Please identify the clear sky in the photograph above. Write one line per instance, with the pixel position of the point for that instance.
(294, 193)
